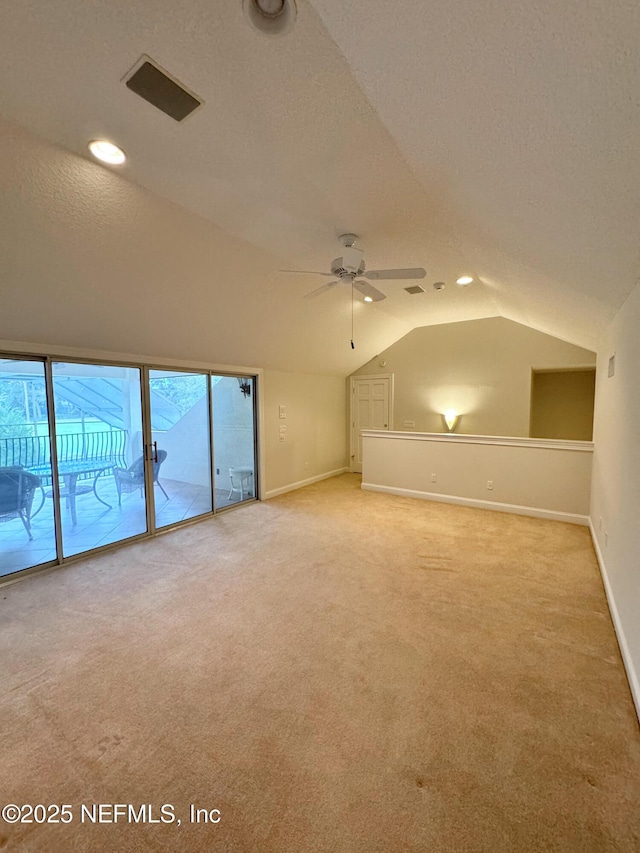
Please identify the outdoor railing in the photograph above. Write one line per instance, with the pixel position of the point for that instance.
(29, 451)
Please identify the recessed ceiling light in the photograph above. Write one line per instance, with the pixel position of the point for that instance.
(107, 152)
(270, 17)
(464, 279)
(270, 8)
(368, 299)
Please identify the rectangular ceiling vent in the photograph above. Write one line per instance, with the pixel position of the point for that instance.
(415, 288)
(156, 86)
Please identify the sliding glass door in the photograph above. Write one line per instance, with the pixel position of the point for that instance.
(27, 528)
(180, 452)
(234, 434)
(98, 422)
(92, 454)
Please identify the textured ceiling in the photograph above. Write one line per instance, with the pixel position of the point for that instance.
(489, 138)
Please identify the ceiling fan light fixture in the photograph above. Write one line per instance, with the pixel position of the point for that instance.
(368, 299)
(270, 17)
(464, 280)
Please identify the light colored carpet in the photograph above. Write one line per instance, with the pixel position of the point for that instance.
(334, 670)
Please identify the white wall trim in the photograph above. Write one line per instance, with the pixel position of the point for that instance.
(273, 493)
(550, 514)
(507, 441)
(632, 676)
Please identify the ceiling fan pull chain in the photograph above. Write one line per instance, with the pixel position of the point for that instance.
(353, 346)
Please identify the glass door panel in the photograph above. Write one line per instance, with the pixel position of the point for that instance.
(181, 448)
(234, 439)
(99, 444)
(27, 530)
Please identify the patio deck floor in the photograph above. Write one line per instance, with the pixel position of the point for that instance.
(98, 525)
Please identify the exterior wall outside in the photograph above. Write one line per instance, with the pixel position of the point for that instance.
(187, 446)
(480, 368)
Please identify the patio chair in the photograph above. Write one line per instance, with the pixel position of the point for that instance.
(17, 488)
(132, 478)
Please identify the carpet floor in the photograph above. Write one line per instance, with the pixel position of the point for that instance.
(331, 670)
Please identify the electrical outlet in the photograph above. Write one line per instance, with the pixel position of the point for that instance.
(217, 471)
(434, 478)
(282, 411)
(490, 484)
(282, 436)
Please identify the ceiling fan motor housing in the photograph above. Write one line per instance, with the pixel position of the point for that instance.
(340, 269)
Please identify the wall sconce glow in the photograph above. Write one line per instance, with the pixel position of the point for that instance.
(464, 280)
(368, 299)
(107, 152)
(451, 419)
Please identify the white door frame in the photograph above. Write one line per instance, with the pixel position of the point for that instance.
(368, 376)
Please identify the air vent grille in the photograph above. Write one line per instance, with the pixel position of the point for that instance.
(415, 288)
(155, 86)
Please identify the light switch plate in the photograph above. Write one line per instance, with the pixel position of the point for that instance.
(282, 410)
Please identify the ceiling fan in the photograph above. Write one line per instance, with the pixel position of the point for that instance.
(350, 269)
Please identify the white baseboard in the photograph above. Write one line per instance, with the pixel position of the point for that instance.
(273, 493)
(632, 674)
(551, 514)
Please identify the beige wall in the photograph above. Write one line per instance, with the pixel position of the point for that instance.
(480, 368)
(315, 439)
(615, 500)
(562, 404)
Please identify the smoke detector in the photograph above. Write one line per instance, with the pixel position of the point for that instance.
(270, 17)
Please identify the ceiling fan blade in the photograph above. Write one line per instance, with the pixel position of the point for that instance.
(376, 275)
(309, 272)
(322, 289)
(369, 290)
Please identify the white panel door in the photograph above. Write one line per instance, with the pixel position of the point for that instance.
(369, 410)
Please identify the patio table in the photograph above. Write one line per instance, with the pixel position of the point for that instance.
(70, 471)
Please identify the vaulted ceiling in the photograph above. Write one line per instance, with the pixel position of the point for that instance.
(494, 139)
